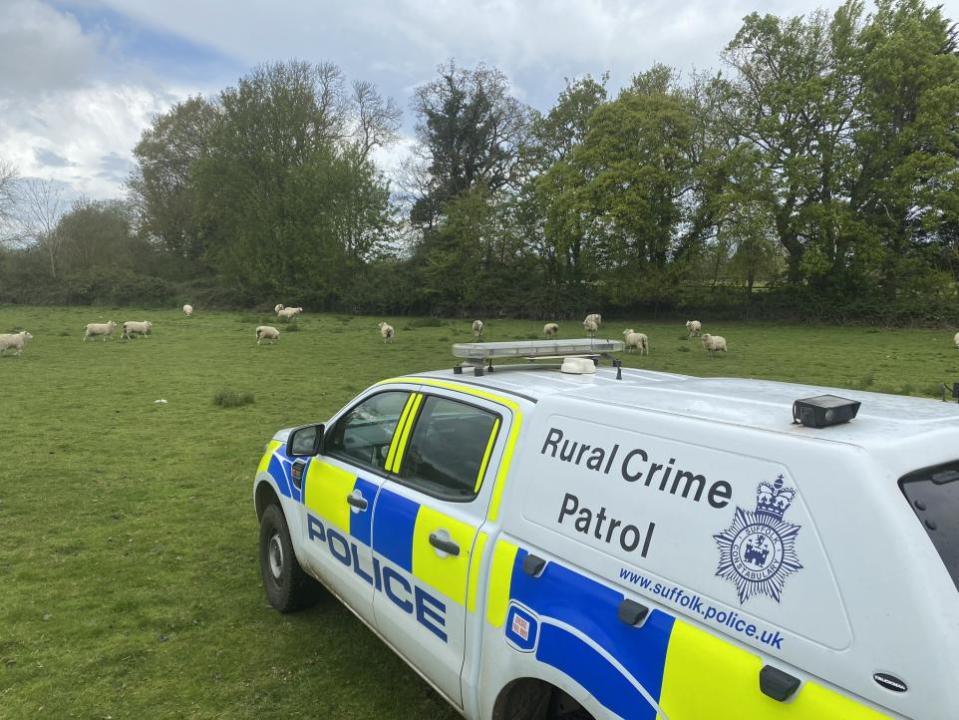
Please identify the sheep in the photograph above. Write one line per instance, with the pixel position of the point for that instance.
(278, 307)
(955, 339)
(590, 326)
(105, 329)
(477, 328)
(596, 318)
(135, 327)
(550, 330)
(289, 313)
(636, 341)
(188, 310)
(387, 332)
(267, 332)
(714, 343)
(694, 327)
(17, 341)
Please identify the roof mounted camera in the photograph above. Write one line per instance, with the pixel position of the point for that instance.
(479, 357)
(824, 410)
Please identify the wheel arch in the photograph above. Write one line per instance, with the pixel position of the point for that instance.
(534, 698)
(263, 496)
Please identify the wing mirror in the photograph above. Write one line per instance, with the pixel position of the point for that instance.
(305, 441)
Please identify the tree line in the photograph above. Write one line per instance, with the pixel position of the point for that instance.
(814, 175)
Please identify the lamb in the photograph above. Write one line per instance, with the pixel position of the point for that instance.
(133, 327)
(596, 318)
(636, 341)
(188, 310)
(590, 326)
(477, 328)
(289, 313)
(550, 330)
(278, 307)
(387, 332)
(694, 327)
(267, 332)
(714, 343)
(105, 329)
(955, 339)
(17, 341)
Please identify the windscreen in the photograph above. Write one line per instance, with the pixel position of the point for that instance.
(933, 494)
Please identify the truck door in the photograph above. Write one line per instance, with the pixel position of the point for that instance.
(339, 492)
(425, 526)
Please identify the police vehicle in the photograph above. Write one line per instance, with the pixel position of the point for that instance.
(575, 541)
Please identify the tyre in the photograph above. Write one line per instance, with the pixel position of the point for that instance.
(288, 587)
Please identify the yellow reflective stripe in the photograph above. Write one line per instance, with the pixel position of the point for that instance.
(476, 562)
(267, 456)
(447, 573)
(398, 430)
(707, 677)
(327, 488)
(489, 451)
(500, 483)
(500, 579)
(410, 419)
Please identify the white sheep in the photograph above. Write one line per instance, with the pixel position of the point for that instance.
(277, 308)
(17, 341)
(550, 330)
(289, 313)
(590, 326)
(477, 328)
(387, 332)
(955, 339)
(636, 341)
(694, 327)
(596, 318)
(106, 329)
(267, 332)
(188, 310)
(136, 327)
(714, 343)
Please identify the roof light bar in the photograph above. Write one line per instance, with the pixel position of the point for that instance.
(533, 349)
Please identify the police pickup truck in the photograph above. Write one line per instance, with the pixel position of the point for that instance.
(596, 542)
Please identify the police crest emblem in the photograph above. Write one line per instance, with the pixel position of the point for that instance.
(757, 552)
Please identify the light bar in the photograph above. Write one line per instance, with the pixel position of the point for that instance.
(479, 352)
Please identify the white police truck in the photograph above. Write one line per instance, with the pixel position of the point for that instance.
(575, 541)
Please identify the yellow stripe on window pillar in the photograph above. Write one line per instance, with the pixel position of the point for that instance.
(489, 451)
(500, 579)
(327, 488)
(398, 430)
(445, 573)
(410, 419)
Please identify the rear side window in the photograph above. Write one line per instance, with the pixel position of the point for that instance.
(449, 449)
(933, 494)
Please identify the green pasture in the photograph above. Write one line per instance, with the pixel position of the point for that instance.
(129, 585)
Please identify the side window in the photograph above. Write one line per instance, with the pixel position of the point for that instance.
(449, 449)
(363, 435)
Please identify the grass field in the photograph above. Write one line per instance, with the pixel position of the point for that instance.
(129, 585)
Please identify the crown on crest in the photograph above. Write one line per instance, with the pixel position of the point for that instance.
(774, 500)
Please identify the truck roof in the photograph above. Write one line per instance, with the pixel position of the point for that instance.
(758, 404)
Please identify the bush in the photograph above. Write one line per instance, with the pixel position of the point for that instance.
(229, 398)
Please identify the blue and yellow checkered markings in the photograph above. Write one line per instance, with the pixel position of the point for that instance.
(564, 599)
(361, 523)
(277, 464)
(395, 522)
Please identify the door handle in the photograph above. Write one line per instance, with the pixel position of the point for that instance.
(447, 546)
(358, 501)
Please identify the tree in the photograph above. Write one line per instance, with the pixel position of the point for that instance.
(8, 199)
(40, 205)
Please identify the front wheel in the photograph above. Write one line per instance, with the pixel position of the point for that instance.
(288, 587)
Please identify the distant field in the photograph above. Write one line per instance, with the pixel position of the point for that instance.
(129, 585)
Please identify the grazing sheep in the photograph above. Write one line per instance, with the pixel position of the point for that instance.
(636, 341)
(17, 341)
(105, 329)
(590, 326)
(477, 328)
(694, 327)
(134, 327)
(289, 313)
(550, 330)
(278, 307)
(387, 332)
(714, 343)
(188, 310)
(955, 339)
(267, 332)
(596, 318)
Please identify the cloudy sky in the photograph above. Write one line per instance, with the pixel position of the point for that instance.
(80, 79)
